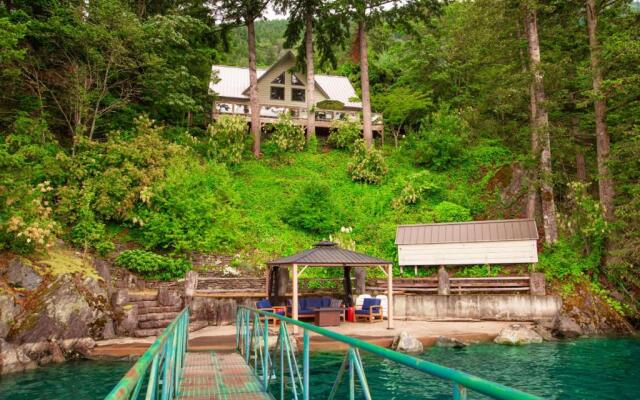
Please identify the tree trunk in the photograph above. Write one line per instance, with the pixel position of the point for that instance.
(367, 133)
(311, 86)
(605, 182)
(581, 166)
(253, 88)
(532, 197)
(542, 131)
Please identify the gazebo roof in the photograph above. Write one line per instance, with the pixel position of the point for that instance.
(329, 254)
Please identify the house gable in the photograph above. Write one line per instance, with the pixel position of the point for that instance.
(233, 84)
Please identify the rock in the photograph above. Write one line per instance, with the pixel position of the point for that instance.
(517, 334)
(120, 297)
(128, 324)
(14, 359)
(544, 332)
(21, 273)
(109, 331)
(406, 343)
(169, 297)
(8, 311)
(65, 309)
(566, 328)
(444, 341)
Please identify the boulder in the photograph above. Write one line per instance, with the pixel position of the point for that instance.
(566, 328)
(8, 311)
(444, 341)
(128, 323)
(406, 343)
(22, 273)
(169, 297)
(65, 309)
(14, 359)
(517, 334)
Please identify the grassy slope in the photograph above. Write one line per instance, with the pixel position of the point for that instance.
(267, 187)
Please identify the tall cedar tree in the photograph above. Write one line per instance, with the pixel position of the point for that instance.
(367, 13)
(605, 182)
(541, 128)
(245, 12)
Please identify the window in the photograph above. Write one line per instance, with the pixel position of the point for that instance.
(277, 93)
(279, 80)
(295, 81)
(297, 94)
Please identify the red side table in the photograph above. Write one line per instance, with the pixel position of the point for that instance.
(351, 314)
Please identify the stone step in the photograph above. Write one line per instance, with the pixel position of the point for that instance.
(153, 324)
(194, 326)
(158, 309)
(145, 304)
(143, 296)
(157, 316)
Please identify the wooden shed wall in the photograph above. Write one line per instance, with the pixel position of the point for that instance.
(505, 252)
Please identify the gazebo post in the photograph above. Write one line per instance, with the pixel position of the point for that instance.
(390, 296)
(294, 306)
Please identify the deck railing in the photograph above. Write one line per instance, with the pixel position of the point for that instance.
(297, 113)
(252, 341)
(160, 366)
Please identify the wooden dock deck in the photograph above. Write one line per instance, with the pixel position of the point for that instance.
(219, 376)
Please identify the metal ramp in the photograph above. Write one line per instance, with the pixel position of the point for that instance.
(213, 376)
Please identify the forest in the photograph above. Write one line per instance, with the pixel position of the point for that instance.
(492, 109)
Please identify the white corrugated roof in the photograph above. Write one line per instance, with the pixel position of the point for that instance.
(233, 81)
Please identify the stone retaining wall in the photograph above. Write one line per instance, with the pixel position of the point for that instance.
(480, 306)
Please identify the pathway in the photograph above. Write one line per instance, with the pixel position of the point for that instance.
(213, 376)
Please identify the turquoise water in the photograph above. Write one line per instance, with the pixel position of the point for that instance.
(583, 369)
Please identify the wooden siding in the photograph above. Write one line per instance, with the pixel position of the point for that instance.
(264, 85)
(507, 252)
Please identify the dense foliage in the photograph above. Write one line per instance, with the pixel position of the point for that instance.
(153, 266)
(107, 135)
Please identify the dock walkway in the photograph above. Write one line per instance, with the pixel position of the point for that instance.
(219, 376)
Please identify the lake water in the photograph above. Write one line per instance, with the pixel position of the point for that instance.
(583, 369)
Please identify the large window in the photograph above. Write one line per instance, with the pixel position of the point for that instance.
(277, 93)
(279, 80)
(297, 94)
(295, 81)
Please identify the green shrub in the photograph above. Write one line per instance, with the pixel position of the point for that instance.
(415, 187)
(193, 209)
(367, 164)
(287, 135)
(153, 266)
(313, 209)
(440, 143)
(450, 212)
(227, 139)
(344, 134)
(564, 261)
(89, 233)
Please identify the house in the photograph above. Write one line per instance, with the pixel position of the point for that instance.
(282, 89)
(467, 243)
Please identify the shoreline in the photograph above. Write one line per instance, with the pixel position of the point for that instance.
(222, 338)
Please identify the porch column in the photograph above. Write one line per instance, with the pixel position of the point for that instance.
(390, 296)
(294, 306)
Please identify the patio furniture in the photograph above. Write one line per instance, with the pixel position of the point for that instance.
(327, 316)
(371, 309)
(265, 305)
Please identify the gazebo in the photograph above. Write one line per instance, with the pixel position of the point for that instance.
(329, 254)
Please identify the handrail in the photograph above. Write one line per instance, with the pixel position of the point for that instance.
(163, 361)
(460, 380)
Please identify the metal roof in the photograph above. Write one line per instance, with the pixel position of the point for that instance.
(468, 232)
(329, 254)
(234, 81)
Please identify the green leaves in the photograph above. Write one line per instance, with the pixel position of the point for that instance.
(153, 266)
(287, 135)
(227, 139)
(344, 134)
(313, 210)
(367, 164)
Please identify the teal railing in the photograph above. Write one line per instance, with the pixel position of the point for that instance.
(159, 367)
(252, 341)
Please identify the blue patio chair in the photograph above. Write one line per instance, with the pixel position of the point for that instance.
(371, 309)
